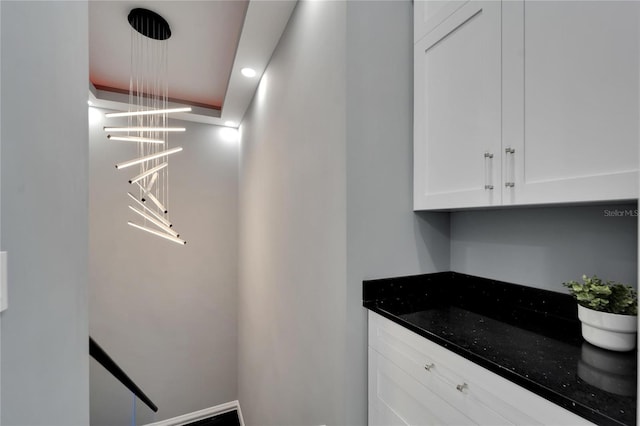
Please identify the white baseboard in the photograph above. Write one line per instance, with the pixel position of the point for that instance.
(202, 414)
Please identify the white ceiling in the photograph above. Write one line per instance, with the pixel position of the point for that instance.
(210, 42)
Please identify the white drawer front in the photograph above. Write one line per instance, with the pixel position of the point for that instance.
(395, 398)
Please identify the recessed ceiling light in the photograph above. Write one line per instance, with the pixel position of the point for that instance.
(229, 135)
(248, 72)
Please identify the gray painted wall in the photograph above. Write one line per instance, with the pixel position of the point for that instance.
(384, 237)
(292, 300)
(320, 182)
(167, 313)
(45, 70)
(543, 247)
(0, 203)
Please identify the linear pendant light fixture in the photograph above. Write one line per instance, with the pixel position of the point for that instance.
(133, 139)
(147, 173)
(149, 157)
(144, 206)
(153, 180)
(159, 234)
(155, 222)
(144, 129)
(147, 123)
(154, 200)
(148, 112)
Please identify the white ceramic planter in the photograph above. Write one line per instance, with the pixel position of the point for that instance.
(609, 331)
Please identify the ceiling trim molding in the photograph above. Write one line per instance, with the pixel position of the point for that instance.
(170, 99)
(264, 24)
(118, 101)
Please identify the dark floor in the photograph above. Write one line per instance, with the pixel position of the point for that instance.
(226, 419)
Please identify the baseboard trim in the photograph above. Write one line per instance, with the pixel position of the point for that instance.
(202, 414)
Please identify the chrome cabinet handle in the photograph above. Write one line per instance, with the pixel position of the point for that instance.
(428, 367)
(509, 184)
(487, 171)
(462, 387)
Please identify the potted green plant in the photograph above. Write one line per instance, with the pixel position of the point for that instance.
(608, 311)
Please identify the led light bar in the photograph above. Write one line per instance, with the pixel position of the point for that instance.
(158, 233)
(148, 157)
(147, 173)
(156, 215)
(144, 129)
(152, 181)
(133, 139)
(148, 112)
(153, 199)
(157, 223)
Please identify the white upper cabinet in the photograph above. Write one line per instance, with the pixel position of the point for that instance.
(549, 88)
(457, 109)
(571, 100)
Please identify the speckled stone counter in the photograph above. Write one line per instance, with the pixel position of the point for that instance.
(529, 336)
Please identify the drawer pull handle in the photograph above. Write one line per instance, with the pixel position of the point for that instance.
(462, 387)
(428, 367)
(510, 162)
(488, 176)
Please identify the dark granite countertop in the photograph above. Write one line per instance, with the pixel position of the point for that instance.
(529, 336)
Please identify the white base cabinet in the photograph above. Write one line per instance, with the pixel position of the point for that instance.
(413, 381)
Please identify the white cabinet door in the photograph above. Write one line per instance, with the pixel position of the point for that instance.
(457, 110)
(571, 90)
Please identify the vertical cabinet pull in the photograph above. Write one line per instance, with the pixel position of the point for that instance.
(488, 184)
(509, 174)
